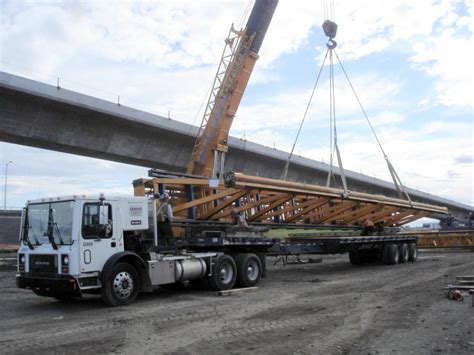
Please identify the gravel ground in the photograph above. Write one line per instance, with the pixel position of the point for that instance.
(331, 308)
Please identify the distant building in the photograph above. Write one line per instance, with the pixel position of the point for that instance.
(431, 225)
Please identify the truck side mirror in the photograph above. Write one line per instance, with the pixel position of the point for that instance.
(103, 214)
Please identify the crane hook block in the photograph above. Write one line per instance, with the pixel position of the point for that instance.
(331, 44)
(330, 29)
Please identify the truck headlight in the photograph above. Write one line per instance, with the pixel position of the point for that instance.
(65, 260)
(22, 259)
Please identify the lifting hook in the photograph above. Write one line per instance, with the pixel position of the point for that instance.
(331, 44)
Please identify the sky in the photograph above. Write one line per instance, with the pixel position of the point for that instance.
(410, 63)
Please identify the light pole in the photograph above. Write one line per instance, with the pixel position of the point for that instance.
(5, 195)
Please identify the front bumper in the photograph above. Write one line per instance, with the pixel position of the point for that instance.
(58, 284)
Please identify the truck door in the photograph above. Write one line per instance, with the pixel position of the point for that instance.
(99, 235)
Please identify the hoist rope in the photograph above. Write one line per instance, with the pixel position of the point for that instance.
(333, 145)
(360, 104)
(245, 14)
(285, 170)
(396, 179)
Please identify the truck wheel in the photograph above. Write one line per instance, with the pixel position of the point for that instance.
(121, 285)
(412, 251)
(223, 274)
(355, 258)
(392, 254)
(403, 252)
(249, 269)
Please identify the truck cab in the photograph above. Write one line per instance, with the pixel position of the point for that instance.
(67, 241)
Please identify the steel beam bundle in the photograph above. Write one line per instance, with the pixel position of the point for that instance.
(275, 201)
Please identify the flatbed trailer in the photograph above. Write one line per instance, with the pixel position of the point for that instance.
(360, 248)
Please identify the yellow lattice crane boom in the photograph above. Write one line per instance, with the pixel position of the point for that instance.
(236, 65)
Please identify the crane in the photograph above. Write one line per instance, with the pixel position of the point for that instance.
(234, 71)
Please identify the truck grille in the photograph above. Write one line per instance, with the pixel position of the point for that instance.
(43, 265)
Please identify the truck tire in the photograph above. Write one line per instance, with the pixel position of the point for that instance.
(392, 254)
(224, 274)
(412, 251)
(121, 285)
(249, 269)
(403, 252)
(355, 258)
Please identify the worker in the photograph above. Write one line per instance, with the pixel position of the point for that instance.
(108, 228)
(164, 217)
(238, 219)
(367, 227)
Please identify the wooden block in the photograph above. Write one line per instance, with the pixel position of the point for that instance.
(235, 291)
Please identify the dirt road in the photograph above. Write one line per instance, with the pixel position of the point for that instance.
(331, 308)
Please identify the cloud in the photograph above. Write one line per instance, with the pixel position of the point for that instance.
(286, 108)
(464, 159)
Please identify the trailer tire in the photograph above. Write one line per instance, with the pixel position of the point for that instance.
(249, 269)
(224, 274)
(412, 251)
(392, 254)
(404, 252)
(121, 285)
(355, 258)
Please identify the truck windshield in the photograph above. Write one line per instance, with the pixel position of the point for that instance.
(49, 222)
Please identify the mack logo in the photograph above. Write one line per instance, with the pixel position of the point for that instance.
(135, 222)
(41, 262)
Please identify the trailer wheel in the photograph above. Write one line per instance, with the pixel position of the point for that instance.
(224, 274)
(412, 251)
(403, 252)
(121, 285)
(355, 258)
(249, 269)
(392, 254)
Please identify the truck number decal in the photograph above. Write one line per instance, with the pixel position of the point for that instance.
(135, 222)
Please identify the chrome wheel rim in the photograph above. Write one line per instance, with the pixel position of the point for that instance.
(123, 285)
(252, 270)
(226, 273)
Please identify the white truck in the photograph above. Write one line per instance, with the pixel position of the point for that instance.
(83, 244)
(79, 244)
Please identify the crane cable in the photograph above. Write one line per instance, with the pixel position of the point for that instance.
(330, 29)
(396, 179)
(287, 164)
